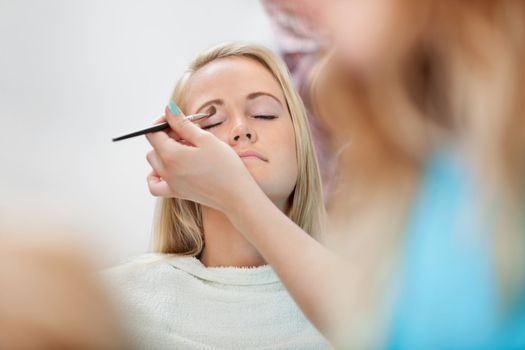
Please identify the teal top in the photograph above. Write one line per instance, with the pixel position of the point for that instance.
(448, 295)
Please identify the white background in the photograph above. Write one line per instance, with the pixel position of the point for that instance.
(74, 74)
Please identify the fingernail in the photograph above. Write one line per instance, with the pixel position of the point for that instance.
(174, 109)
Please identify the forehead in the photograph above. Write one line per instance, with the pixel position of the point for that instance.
(230, 78)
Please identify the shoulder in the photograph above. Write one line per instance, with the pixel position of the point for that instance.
(140, 261)
(140, 269)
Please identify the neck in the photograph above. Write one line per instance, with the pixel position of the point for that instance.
(224, 245)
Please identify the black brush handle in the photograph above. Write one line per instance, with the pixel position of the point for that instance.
(153, 128)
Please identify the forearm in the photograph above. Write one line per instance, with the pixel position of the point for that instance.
(308, 270)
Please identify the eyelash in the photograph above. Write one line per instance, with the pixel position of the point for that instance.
(211, 126)
(265, 117)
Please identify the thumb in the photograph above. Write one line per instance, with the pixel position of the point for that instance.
(184, 128)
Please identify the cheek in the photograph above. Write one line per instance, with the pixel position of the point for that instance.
(281, 143)
(222, 133)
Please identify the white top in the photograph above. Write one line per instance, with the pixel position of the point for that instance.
(175, 302)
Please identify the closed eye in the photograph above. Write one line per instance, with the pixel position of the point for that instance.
(267, 117)
(211, 126)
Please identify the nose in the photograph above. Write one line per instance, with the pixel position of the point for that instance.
(242, 133)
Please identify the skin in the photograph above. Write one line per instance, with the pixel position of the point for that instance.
(49, 299)
(251, 116)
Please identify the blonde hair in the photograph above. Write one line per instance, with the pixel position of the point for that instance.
(178, 225)
(460, 75)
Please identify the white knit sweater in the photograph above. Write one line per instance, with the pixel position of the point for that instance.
(175, 302)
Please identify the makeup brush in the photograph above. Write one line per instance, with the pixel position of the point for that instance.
(192, 118)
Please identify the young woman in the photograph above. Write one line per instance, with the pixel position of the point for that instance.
(424, 106)
(208, 287)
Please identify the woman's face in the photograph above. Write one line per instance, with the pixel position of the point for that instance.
(252, 117)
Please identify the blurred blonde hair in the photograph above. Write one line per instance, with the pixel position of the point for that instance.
(458, 75)
(178, 225)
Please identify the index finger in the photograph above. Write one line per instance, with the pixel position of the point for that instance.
(161, 142)
(159, 120)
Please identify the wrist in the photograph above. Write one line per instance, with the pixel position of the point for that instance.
(241, 199)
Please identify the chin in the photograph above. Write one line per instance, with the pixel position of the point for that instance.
(257, 170)
(259, 179)
(275, 190)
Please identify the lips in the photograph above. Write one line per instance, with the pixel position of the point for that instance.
(248, 154)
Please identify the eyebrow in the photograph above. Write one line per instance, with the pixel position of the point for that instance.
(254, 95)
(251, 96)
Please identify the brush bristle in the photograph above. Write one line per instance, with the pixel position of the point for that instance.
(211, 111)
